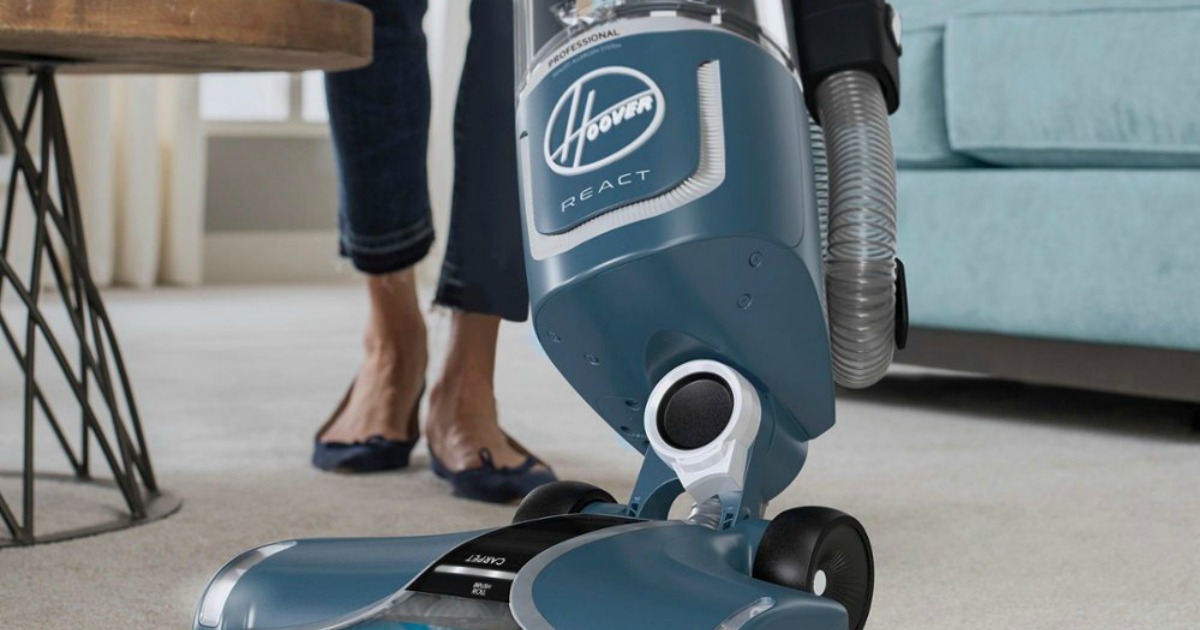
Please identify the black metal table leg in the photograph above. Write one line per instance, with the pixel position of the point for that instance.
(97, 380)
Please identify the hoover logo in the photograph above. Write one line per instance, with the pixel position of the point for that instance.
(604, 116)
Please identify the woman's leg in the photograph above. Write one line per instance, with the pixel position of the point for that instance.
(483, 276)
(484, 268)
(380, 121)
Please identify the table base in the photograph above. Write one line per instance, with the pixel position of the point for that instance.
(74, 370)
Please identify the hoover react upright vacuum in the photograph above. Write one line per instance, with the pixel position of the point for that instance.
(709, 210)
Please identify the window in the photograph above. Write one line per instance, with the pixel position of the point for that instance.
(264, 98)
(313, 98)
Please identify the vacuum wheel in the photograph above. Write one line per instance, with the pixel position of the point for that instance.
(560, 498)
(821, 551)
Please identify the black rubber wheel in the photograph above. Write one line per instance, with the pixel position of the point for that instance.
(820, 551)
(559, 498)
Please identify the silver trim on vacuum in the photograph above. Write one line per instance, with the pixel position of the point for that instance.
(475, 572)
(212, 605)
(743, 616)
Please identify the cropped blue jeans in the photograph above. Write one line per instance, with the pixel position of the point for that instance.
(380, 121)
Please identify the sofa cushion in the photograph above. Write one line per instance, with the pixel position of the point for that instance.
(919, 127)
(1106, 88)
(922, 14)
(1102, 256)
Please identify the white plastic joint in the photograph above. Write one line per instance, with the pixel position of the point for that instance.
(720, 465)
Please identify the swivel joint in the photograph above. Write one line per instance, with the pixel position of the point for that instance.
(702, 420)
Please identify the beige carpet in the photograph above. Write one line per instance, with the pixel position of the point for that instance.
(991, 505)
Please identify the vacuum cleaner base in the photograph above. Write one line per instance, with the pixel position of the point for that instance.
(579, 571)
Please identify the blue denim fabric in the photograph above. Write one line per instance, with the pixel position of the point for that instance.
(380, 121)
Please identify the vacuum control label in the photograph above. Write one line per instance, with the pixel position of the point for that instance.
(485, 567)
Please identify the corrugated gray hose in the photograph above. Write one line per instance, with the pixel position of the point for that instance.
(860, 254)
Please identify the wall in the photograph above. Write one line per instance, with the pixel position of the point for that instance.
(271, 188)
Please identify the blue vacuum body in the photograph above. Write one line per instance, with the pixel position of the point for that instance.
(702, 243)
(675, 219)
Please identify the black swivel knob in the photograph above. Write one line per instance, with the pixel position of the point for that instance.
(695, 411)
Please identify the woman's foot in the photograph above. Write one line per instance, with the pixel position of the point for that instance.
(388, 387)
(463, 426)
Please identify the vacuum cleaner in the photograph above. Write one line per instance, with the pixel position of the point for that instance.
(709, 219)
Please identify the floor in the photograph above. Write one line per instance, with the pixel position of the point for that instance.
(991, 505)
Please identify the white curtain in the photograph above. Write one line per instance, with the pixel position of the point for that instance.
(139, 154)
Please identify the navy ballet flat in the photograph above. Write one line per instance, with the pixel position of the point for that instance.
(492, 484)
(375, 454)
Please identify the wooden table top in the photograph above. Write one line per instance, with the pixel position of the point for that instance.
(186, 35)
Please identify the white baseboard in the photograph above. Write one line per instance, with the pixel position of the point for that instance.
(283, 257)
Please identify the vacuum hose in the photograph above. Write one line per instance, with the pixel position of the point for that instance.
(860, 237)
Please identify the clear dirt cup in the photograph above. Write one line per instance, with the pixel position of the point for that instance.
(541, 25)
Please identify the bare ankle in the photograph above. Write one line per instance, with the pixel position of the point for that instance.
(395, 327)
(462, 395)
(396, 348)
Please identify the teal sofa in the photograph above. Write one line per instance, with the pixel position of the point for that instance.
(1049, 155)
